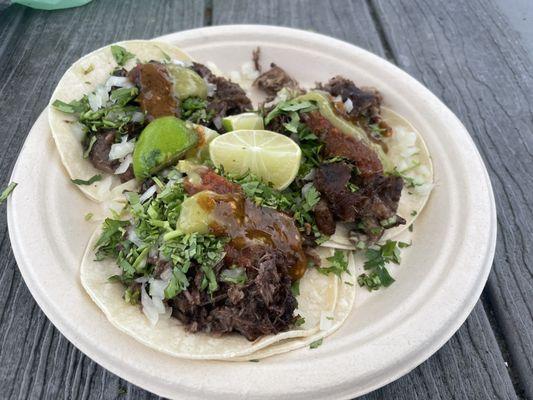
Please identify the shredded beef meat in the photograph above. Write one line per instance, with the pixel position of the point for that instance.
(128, 175)
(229, 98)
(156, 96)
(273, 80)
(325, 221)
(256, 59)
(99, 155)
(375, 200)
(264, 305)
(365, 102)
(263, 241)
(337, 144)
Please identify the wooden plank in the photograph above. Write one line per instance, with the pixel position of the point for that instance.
(343, 19)
(47, 366)
(36, 47)
(470, 365)
(466, 53)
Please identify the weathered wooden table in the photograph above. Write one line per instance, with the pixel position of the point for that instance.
(467, 53)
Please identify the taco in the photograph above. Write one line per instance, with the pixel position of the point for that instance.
(235, 249)
(106, 98)
(370, 166)
(196, 270)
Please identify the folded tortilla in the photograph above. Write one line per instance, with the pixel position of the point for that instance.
(321, 297)
(82, 78)
(413, 199)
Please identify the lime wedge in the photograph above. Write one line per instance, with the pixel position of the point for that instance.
(243, 121)
(186, 82)
(164, 141)
(193, 217)
(273, 157)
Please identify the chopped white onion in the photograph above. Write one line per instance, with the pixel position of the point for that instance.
(153, 252)
(348, 105)
(158, 304)
(118, 81)
(134, 238)
(184, 63)
(409, 151)
(122, 149)
(157, 288)
(142, 279)
(211, 88)
(326, 320)
(337, 99)
(235, 76)
(137, 117)
(166, 275)
(306, 187)
(98, 98)
(310, 175)
(248, 71)
(150, 310)
(213, 67)
(124, 165)
(424, 188)
(149, 193)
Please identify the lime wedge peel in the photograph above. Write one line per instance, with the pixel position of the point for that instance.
(271, 156)
(248, 120)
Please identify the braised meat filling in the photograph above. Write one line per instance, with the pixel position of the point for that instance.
(264, 243)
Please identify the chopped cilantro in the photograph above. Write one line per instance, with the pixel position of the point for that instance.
(295, 288)
(177, 284)
(299, 320)
(413, 213)
(254, 360)
(121, 55)
(112, 232)
(122, 96)
(194, 109)
(90, 181)
(7, 191)
(74, 107)
(338, 264)
(316, 344)
(288, 107)
(290, 201)
(88, 216)
(89, 69)
(377, 257)
(411, 228)
(132, 296)
(90, 145)
(409, 181)
(352, 187)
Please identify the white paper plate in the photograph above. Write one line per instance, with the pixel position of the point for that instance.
(388, 333)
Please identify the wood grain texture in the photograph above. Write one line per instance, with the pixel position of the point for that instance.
(36, 47)
(470, 365)
(36, 361)
(471, 59)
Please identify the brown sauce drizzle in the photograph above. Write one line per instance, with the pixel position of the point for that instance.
(249, 225)
(156, 97)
